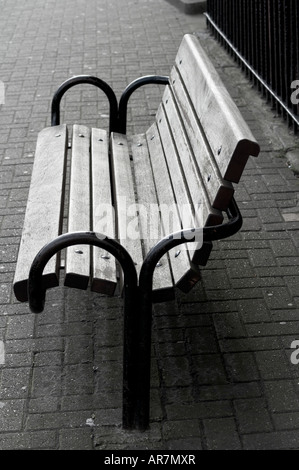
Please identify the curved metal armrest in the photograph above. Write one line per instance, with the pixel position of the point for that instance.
(36, 290)
(123, 102)
(79, 79)
(215, 232)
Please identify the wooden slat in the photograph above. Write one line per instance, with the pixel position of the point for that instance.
(199, 185)
(181, 185)
(103, 267)
(228, 134)
(77, 269)
(183, 273)
(219, 192)
(123, 190)
(43, 217)
(149, 219)
(180, 189)
(206, 215)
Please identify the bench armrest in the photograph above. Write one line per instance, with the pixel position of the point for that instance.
(77, 80)
(36, 289)
(123, 102)
(210, 233)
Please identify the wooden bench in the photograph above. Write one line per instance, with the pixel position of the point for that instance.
(103, 196)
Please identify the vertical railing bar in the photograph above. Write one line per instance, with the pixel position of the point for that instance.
(260, 44)
(272, 50)
(252, 15)
(267, 49)
(276, 55)
(254, 38)
(282, 56)
(295, 16)
(288, 54)
(264, 45)
(233, 24)
(238, 14)
(247, 25)
(242, 42)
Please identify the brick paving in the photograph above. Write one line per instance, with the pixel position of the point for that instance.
(222, 377)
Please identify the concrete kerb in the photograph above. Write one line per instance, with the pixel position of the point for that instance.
(190, 7)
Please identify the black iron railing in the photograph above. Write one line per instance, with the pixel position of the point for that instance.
(263, 35)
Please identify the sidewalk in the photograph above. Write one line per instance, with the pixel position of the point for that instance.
(222, 377)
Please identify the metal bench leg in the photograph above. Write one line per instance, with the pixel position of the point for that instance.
(37, 294)
(144, 319)
(137, 360)
(130, 351)
(142, 346)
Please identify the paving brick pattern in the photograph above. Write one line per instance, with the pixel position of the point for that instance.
(221, 371)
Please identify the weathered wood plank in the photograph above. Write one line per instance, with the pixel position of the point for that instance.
(179, 258)
(43, 217)
(104, 266)
(190, 215)
(149, 218)
(228, 134)
(77, 268)
(205, 214)
(218, 191)
(177, 180)
(199, 184)
(127, 226)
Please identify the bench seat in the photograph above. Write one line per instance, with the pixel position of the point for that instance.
(76, 192)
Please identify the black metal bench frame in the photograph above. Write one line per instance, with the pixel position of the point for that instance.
(196, 148)
(137, 292)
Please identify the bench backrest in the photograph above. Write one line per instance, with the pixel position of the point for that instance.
(199, 118)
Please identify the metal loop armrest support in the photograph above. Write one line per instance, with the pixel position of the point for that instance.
(36, 290)
(37, 293)
(79, 79)
(123, 102)
(215, 232)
